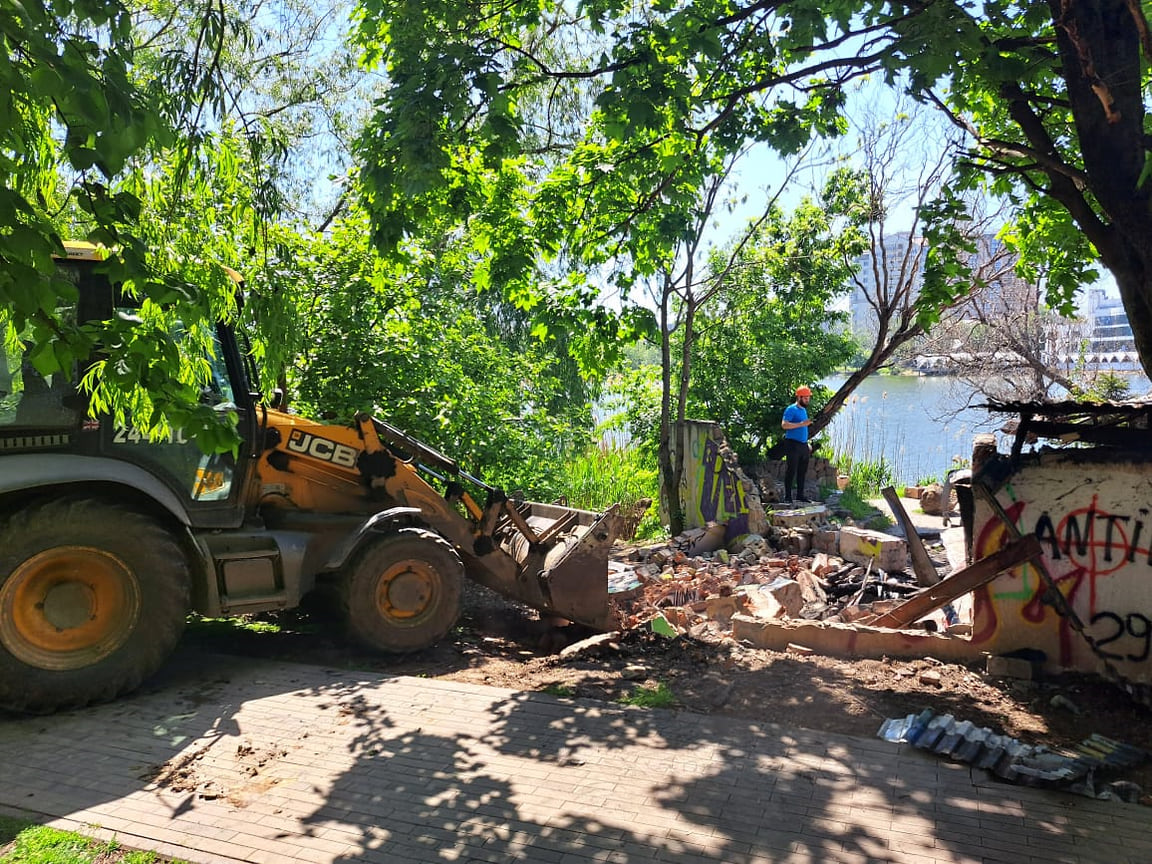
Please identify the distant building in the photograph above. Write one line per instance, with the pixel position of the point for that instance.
(901, 262)
(1106, 340)
(1099, 338)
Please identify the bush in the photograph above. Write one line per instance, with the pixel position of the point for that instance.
(866, 476)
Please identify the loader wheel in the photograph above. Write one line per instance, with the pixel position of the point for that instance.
(93, 597)
(402, 593)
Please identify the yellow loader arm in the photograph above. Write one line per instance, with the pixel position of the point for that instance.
(549, 557)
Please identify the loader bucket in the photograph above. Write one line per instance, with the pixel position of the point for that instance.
(565, 572)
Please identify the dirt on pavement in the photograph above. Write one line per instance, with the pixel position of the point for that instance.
(501, 644)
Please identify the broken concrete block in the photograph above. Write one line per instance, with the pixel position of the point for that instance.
(780, 598)
(587, 646)
(708, 540)
(752, 542)
(721, 608)
(826, 541)
(798, 542)
(810, 588)
(1010, 667)
(813, 514)
(854, 613)
(761, 604)
(861, 545)
(788, 593)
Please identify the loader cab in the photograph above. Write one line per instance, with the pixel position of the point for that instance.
(48, 415)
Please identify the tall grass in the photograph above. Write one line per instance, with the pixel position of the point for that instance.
(610, 473)
(866, 475)
(859, 445)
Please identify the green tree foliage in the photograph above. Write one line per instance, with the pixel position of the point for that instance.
(775, 327)
(1109, 387)
(99, 145)
(606, 119)
(158, 131)
(416, 346)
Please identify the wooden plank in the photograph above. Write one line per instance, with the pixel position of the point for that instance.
(960, 583)
(1053, 594)
(922, 565)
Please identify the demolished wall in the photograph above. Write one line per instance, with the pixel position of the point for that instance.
(715, 490)
(1091, 511)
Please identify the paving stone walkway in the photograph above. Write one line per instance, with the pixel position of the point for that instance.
(225, 759)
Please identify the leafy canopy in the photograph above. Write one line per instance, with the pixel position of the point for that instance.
(415, 345)
(605, 118)
(158, 131)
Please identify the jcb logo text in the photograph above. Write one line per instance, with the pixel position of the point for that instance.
(322, 448)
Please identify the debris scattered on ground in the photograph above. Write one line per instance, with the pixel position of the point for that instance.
(808, 567)
(209, 775)
(1074, 769)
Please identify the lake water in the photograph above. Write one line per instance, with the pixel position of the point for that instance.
(918, 424)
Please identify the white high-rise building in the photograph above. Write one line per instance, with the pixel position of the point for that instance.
(1107, 341)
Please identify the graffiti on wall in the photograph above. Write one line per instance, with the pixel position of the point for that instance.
(715, 491)
(1095, 558)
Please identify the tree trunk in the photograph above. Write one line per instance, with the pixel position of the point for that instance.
(1136, 291)
(1100, 51)
(670, 453)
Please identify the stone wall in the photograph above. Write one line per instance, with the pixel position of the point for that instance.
(770, 478)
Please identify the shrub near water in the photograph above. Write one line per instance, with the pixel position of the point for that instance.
(867, 476)
(610, 474)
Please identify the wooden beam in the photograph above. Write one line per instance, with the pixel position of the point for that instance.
(922, 565)
(960, 583)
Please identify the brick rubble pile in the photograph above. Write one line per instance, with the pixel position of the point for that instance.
(805, 568)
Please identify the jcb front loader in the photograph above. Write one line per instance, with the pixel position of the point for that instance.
(107, 540)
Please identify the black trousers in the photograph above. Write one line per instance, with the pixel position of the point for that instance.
(796, 455)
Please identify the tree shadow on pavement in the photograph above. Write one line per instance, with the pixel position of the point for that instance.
(238, 759)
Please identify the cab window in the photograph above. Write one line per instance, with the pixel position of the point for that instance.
(28, 398)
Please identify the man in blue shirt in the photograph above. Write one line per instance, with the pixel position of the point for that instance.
(796, 450)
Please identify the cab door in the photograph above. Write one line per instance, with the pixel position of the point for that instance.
(211, 484)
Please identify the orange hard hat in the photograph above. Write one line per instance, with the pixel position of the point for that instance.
(803, 391)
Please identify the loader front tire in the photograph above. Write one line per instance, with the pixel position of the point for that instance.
(402, 592)
(93, 597)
